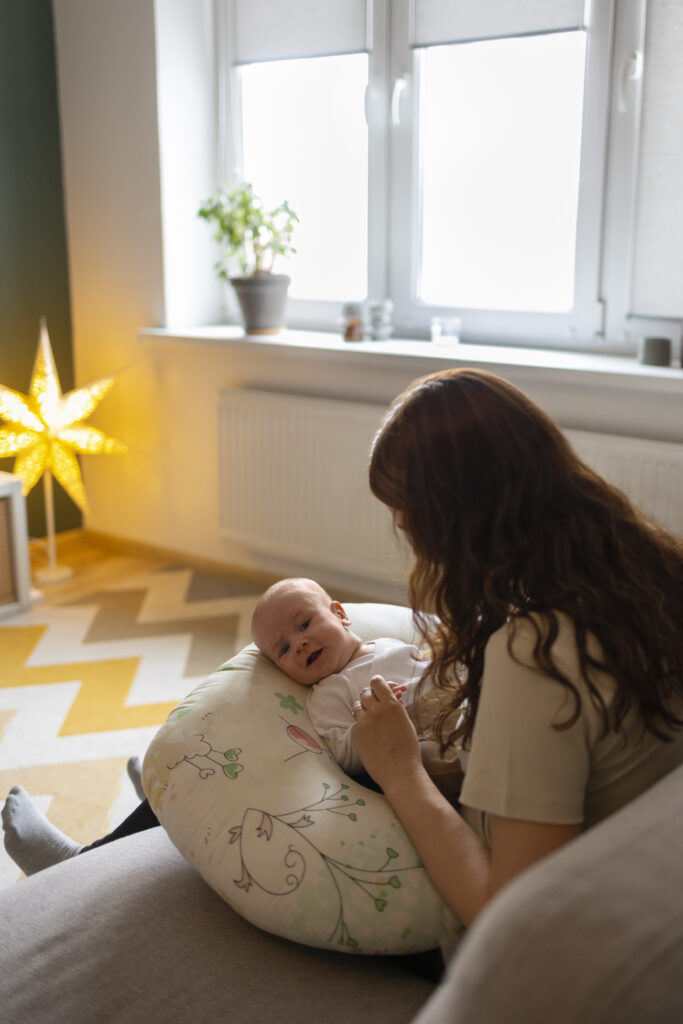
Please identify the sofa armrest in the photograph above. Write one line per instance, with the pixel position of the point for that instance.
(593, 934)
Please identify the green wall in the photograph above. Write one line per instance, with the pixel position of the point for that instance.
(34, 278)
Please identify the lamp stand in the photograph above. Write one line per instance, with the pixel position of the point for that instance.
(52, 573)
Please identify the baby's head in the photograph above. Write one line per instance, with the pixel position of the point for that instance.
(307, 634)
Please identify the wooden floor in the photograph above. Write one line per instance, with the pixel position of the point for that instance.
(98, 560)
(95, 563)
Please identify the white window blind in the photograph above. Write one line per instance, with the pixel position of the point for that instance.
(446, 21)
(299, 75)
(278, 30)
(658, 252)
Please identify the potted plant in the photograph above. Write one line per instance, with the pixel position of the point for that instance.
(252, 238)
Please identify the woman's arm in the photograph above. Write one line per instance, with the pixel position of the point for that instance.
(460, 865)
(516, 845)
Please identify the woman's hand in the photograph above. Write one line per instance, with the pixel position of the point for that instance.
(384, 736)
(464, 871)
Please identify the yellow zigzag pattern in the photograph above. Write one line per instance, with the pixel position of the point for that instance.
(85, 684)
(100, 704)
(82, 794)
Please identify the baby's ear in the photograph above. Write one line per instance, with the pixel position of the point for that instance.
(338, 610)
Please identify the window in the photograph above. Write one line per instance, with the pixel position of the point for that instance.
(499, 153)
(449, 156)
(304, 140)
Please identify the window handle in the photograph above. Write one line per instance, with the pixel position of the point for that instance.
(631, 71)
(400, 86)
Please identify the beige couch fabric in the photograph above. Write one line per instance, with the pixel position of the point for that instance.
(130, 934)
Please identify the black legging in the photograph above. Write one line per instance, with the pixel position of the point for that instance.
(142, 818)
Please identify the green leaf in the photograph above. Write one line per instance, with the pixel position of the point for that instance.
(252, 236)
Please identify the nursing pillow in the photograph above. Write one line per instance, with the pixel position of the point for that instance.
(253, 799)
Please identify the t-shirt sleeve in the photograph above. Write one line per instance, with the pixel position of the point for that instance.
(330, 711)
(519, 766)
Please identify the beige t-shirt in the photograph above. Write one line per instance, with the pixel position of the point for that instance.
(520, 767)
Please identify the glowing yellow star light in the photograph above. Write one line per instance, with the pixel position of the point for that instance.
(44, 429)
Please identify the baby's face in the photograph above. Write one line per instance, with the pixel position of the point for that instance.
(306, 634)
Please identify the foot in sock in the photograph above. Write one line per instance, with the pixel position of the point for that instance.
(135, 775)
(31, 840)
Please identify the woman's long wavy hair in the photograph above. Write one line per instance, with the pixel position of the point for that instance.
(505, 521)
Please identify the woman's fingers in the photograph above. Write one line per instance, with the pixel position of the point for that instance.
(383, 735)
(378, 689)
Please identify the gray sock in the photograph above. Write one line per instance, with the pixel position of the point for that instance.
(134, 768)
(31, 840)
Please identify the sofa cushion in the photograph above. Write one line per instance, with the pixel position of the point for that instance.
(129, 933)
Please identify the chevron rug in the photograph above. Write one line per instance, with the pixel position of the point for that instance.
(85, 685)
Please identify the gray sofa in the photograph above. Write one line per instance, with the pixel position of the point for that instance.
(130, 933)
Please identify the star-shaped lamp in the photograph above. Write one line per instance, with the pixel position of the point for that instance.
(44, 429)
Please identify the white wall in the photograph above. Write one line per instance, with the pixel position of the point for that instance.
(165, 491)
(107, 95)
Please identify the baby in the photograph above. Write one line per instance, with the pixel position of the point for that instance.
(308, 635)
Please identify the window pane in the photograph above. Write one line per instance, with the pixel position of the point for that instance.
(499, 149)
(305, 140)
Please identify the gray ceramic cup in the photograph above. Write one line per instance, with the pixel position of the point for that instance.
(655, 351)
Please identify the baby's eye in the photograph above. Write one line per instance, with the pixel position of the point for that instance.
(305, 624)
(283, 650)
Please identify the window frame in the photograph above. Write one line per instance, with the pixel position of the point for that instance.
(601, 319)
(558, 330)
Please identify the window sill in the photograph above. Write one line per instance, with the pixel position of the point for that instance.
(419, 357)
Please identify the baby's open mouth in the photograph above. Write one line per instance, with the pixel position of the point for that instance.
(313, 657)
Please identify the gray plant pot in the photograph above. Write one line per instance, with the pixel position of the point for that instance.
(262, 299)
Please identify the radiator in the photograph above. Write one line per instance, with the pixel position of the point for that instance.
(649, 472)
(293, 481)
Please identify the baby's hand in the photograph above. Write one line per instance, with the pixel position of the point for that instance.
(398, 689)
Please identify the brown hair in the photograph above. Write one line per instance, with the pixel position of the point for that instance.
(505, 521)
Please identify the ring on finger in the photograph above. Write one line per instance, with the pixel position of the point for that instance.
(356, 707)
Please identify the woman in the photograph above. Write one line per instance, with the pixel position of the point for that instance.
(560, 637)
